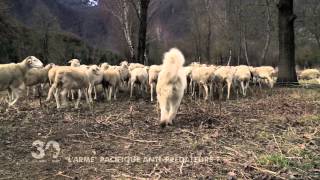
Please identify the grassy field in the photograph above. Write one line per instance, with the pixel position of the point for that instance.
(268, 135)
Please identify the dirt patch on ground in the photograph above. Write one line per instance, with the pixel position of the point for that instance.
(269, 135)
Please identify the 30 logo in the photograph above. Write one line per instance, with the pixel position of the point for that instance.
(42, 147)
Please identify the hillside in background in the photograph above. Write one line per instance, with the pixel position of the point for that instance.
(93, 23)
(19, 41)
(240, 27)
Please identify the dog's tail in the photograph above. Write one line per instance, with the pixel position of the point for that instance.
(173, 61)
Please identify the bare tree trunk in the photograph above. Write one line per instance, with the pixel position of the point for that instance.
(287, 72)
(266, 46)
(240, 32)
(230, 58)
(46, 46)
(127, 29)
(209, 34)
(121, 11)
(317, 39)
(144, 4)
(245, 44)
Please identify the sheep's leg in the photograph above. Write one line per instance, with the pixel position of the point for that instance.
(205, 86)
(95, 92)
(193, 89)
(56, 96)
(116, 90)
(10, 95)
(243, 88)
(28, 89)
(270, 82)
(72, 94)
(106, 93)
(141, 88)
(79, 98)
(229, 88)
(16, 94)
(64, 93)
(190, 86)
(246, 87)
(131, 89)
(52, 88)
(146, 87)
(259, 82)
(86, 96)
(200, 90)
(211, 90)
(110, 93)
(220, 91)
(151, 91)
(36, 90)
(90, 92)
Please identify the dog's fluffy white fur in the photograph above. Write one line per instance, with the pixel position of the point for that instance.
(171, 84)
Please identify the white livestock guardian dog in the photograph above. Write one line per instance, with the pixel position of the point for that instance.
(171, 84)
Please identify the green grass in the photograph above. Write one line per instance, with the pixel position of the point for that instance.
(275, 160)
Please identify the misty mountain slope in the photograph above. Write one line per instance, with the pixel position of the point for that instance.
(98, 27)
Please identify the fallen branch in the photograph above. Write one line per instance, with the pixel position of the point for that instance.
(60, 173)
(267, 171)
(186, 131)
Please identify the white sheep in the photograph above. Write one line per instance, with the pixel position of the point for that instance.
(133, 66)
(74, 62)
(124, 72)
(153, 78)
(187, 71)
(171, 84)
(138, 76)
(52, 75)
(37, 77)
(242, 77)
(95, 75)
(202, 76)
(71, 78)
(309, 74)
(264, 74)
(111, 82)
(12, 77)
(224, 75)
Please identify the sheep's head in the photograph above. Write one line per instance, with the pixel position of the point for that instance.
(104, 66)
(33, 62)
(124, 64)
(74, 62)
(95, 69)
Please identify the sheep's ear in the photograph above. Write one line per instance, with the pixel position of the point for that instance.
(29, 61)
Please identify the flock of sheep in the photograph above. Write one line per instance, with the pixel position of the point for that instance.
(171, 80)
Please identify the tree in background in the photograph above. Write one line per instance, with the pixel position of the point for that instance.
(121, 10)
(287, 72)
(311, 19)
(141, 7)
(45, 22)
(3, 7)
(202, 21)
